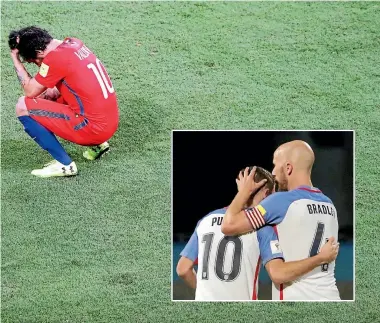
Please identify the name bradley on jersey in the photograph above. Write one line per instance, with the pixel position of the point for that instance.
(320, 209)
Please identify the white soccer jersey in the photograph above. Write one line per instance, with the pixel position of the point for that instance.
(228, 267)
(303, 219)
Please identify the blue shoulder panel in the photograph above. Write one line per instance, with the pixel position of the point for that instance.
(275, 206)
(268, 244)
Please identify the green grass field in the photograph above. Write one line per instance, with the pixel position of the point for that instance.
(97, 248)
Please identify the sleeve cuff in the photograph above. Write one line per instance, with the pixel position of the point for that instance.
(188, 256)
(265, 261)
(41, 80)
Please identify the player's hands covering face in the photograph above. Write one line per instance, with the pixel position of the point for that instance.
(245, 181)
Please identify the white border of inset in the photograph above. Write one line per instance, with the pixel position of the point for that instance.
(267, 130)
(354, 215)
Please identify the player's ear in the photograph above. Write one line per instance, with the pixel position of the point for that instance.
(289, 169)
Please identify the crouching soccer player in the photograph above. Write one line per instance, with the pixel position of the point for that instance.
(71, 96)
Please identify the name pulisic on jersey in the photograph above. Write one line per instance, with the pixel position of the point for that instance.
(216, 220)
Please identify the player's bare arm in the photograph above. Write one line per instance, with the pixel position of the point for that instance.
(235, 221)
(185, 270)
(282, 272)
(30, 86)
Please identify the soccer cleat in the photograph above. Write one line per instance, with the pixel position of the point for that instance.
(56, 169)
(95, 152)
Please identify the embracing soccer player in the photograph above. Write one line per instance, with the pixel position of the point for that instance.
(71, 96)
(302, 220)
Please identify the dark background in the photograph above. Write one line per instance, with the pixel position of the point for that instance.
(206, 163)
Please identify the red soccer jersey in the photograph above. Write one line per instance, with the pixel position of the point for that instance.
(82, 81)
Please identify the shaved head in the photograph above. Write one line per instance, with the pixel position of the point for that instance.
(292, 161)
(298, 153)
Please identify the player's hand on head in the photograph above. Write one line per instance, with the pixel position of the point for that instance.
(329, 251)
(239, 181)
(14, 51)
(245, 181)
(13, 41)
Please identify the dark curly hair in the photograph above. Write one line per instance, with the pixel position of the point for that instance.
(29, 40)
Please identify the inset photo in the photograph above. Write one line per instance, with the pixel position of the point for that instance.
(263, 215)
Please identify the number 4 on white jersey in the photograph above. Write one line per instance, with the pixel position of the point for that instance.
(102, 79)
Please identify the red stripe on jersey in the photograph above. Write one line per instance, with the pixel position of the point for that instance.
(196, 261)
(275, 230)
(251, 218)
(309, 190)
(254, 295)
(281, 285)
(259, 216)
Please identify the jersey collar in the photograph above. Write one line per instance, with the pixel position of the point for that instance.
(309, 189)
